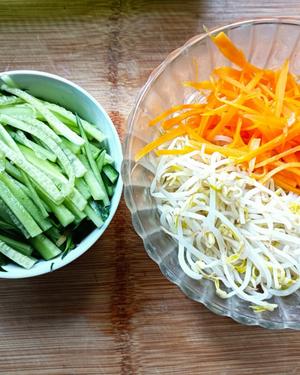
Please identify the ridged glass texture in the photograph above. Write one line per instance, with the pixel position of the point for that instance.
(266, 43)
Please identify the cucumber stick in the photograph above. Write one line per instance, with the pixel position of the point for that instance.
(92, 163)
(40, 151)
(25, 200)
(83, 188)
(70, 146)
(110, 173)
(19, 211)
(17, 245)
(55, 175)
(93, 216)
(17, 257)
(61, 156)
(40, 178)
(58, 126)
(9, 100)
(45, 247)
(91, 180)
(64, 216)
(8, 216)
(52, 170)
(5, 226)
(6, 137)
(100, 160)
(90, 129)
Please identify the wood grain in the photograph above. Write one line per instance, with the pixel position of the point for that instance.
(111, 311)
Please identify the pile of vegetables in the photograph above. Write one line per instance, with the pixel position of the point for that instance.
(227, 181)
(56, 177)
(249, 114)
(230, 229)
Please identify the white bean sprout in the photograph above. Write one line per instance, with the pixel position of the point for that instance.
(230, 229)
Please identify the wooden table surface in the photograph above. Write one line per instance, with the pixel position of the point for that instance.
(111, 311)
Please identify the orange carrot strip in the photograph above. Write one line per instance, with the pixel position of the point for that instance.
(236, 83)
(204, 122)
(278, 156)
(159, 141)
(237, 140)
(278, 169)
(258, 175)
(292, 84)
(217, 111)
(237, 104)
(210, 147)
(290, 158)
(266, 147)
(293, 170)
(282, 183)
(182, 151)
(227, 116)
(267, 121)
(266, 90)
(204, 85)
(172, 110)
(226, 71)
(255, 80)
(178, 119)
(280, 88)
(260, 104)
(230, 51)
(289, 176)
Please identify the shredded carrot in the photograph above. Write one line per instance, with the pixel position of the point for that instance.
(170, 111)
(258, 175)
(278, 169)
(182, 151)
(247, 104)
(237, 139)
(230, 51)
(204, 85)
(286, 175)
(168, 124)
(281, 88)
(159, 141)
(279, 156)
(281, 182)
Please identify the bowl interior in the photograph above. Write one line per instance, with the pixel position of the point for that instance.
(67, 94)
(266, 43)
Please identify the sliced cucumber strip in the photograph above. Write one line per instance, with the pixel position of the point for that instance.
(40, 178)
(17, 257)
(83, 188)
(17, 245)
(58, 126)
(90, 179)
(93, 216)
(19, 211)
(111, 173)
(40, 152)
(92, 163)
(7, 215)
(46, 248)
(28, 204)
(90, 129)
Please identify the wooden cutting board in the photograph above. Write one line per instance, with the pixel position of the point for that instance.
(111, 311)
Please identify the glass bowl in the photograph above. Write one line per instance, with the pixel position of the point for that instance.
(266, 43)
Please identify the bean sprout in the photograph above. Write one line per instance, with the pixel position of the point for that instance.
(230, 229)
